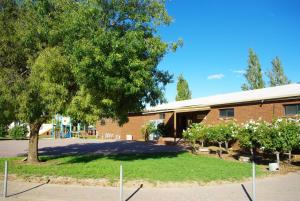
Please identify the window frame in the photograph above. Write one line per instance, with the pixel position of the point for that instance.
(297, 110)
(162, 115)
(226, 117)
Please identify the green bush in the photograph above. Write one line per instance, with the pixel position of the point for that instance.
(196, 132)
(283, 135)
(147, 129)
(18, 132)
(3, 131)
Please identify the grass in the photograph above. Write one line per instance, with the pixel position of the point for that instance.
(165, 167)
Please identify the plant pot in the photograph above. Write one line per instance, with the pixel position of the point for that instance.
(273, 167)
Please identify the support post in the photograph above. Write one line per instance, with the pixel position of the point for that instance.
(5, 179)
(253, 180)
(121, 183)
(175, 126)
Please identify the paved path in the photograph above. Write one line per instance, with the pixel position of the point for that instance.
(277, 188)
(9, 148)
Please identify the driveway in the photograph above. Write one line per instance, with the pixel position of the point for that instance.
(277, 188)
(50, 147)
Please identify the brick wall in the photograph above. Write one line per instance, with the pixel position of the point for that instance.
(243, 112)
(133, 126)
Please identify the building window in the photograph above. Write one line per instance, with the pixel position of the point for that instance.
(292, 109)
(227, 113)
(161, 115)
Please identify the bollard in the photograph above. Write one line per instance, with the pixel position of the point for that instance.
(253, 182)
(5, 180)
(121, 183)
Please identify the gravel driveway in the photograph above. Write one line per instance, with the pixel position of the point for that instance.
(50, 147)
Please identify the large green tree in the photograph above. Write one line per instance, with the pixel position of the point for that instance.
(88, 59)
(183, 91)
(276, 75)
(253, 74)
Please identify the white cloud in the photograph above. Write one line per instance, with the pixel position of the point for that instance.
(240, 72)
(215, 76)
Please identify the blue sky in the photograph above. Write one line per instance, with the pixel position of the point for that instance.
(217, 35)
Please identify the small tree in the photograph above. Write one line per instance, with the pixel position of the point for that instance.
(250, 135)
(216, 134)
(196, 132)
(230, 131)
(147, 129)
(183, 91)
(276, 75)
(282, 136)
(253, 75)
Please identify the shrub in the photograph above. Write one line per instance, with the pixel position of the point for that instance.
(252, 133)
(18, 132)
(3, 132)
(163, 129)
(147, 129)
(196, 132)
(282, 136)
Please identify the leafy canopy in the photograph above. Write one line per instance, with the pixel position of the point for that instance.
(183, 91)
(87, 59)
(253, 74)
(276, 75)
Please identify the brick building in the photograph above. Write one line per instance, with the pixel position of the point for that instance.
(267, 104)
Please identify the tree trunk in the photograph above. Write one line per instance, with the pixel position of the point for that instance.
(220, 149)
(290, 157)
(226, 146)
(277, 158)
(202, 143)
(33, 143)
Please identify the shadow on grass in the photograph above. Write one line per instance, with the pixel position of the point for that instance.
(73, 159)
(106, 148)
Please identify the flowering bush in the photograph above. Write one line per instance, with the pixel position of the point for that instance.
(196, 132)
(251, 134)
(282, 136)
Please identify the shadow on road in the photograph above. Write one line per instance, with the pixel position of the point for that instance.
(246, 192)
(24, 191)
(137, 190)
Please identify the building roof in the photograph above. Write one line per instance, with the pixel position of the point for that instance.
(270, 93)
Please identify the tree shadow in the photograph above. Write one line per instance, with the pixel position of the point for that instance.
(32, 188)
(119, 157)
(107, 148)
(118, 150)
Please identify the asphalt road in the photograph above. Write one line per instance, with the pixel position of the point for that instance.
(58, 147)
(276, 188)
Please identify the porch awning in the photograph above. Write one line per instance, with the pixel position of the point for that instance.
(192, 109)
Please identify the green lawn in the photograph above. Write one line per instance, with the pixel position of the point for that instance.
(154, 167)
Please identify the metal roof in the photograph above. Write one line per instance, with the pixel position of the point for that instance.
(270, 93)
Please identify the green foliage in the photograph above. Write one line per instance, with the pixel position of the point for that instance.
(147, 129)
(276, 75)
(196, 132)
(3, 131)
(183, 91)
(282, 136)
(251, 134)
(216, 133)
(254, 74)
(18, 132)
(163, 129)
(89, 59)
